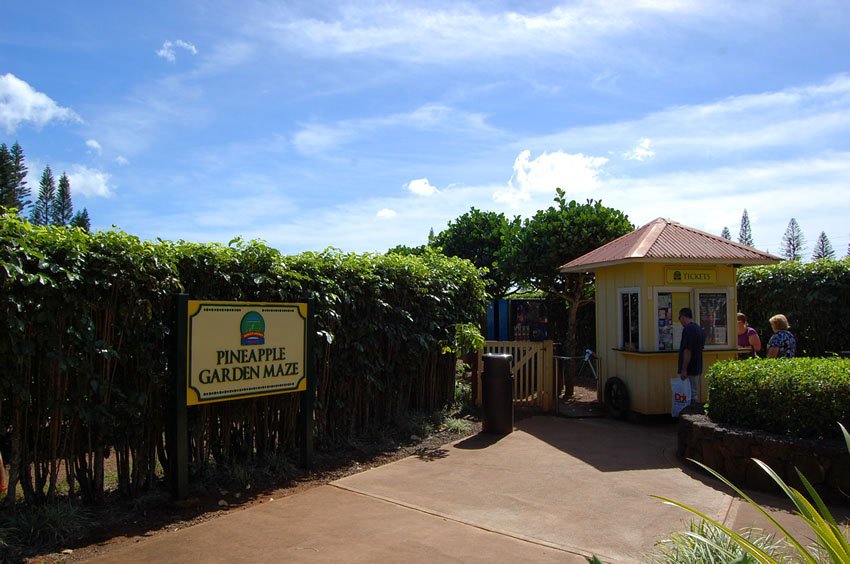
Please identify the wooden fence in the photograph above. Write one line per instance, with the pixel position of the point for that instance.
(533, 370)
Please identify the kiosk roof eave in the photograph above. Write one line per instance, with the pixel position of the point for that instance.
(593, 267)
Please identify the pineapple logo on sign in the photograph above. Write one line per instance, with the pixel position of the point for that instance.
(253, 328)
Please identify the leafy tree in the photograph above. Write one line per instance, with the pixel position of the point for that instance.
(726, 234)
(557, 235)
(81, 219)
(793, 242)
(41, 213)
(486, 239)
(63, 209)
(823, 248)
(14, 192)
(745, 235)
(407, 251)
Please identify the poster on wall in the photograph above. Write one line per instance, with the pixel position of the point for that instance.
(529, 320)
(712, 317)
(669, 328)
(665, 322)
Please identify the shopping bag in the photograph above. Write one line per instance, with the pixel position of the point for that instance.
(681, 395)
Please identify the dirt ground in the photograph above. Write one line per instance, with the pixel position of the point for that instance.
(583, 401)
(155, 514)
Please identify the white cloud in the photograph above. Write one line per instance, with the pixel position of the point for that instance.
(122, 160)
(130, 125)
(20, 102)
(421, 187)
(94, 146)
(464, 31)
(90, 182)
(263, 208)
(572, 172)
(799, 119)
(318, 138)
(167, 50)
(712, 199)
(642, 152)
(386, 213)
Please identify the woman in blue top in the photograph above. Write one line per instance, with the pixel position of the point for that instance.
(782, 343)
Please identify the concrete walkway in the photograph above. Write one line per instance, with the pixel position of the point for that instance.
(555, 490)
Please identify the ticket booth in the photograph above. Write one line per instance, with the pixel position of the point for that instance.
(643, 279)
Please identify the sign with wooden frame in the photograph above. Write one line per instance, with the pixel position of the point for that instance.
(237, 350)
(245, 349)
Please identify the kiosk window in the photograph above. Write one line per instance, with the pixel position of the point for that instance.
(630, 320)
(713, 318)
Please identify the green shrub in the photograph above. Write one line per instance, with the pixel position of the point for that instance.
(815, 296)
(799, 397)
(705, 543)
(463, 395)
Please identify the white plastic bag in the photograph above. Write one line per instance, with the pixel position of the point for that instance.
(681, 395)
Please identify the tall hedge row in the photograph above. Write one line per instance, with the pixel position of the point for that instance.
(85, 335)
(814, 296)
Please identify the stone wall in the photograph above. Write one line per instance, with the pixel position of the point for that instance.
(826, 464)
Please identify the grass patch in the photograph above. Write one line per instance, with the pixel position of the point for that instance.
(457, 426)
(44, 527)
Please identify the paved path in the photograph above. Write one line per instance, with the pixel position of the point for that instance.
(555, 490)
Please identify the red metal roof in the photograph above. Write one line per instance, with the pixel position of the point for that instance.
(662, 240)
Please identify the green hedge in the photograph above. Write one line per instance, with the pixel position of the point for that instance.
(83, 355)
(799, 397)
(814, 296)
(85, 335)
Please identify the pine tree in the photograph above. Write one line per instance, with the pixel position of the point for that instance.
(725, 234)
(823, 248)
(6, 190)
(19, 178)
(63, 209)
(745, 235)
(41, 212)
(14, 192)
(793, 242)
(81, 219)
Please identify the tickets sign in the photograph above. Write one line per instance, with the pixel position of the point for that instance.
(690, 276)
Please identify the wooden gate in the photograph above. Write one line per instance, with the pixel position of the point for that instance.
(533, 370)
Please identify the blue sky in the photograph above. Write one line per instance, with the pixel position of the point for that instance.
(363, 125)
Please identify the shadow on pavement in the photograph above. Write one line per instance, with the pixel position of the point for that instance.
(606, 444)
(431, 454)
(479, 441)
(611, 445)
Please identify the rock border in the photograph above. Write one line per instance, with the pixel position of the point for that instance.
(730, 450)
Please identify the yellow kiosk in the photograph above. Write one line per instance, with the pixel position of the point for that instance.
(642, 280)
